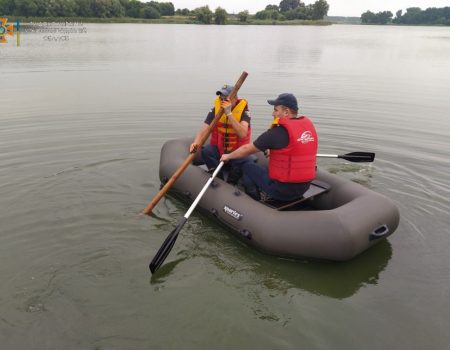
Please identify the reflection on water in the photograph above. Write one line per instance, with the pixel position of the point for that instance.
(266, 281)
(165, 272)
(358, 173)
(278, 275)
(340, 280)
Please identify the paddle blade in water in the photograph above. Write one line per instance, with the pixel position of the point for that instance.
(166, 247)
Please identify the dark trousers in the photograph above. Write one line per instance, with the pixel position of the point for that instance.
(256, 178)
(211, 157)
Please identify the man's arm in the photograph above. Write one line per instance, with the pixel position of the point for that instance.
(241, 128)
(195, 145)
(241, 152)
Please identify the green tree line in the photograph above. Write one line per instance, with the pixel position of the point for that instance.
(286, 10)
(412, 16)
(294, 9)
(86, 8)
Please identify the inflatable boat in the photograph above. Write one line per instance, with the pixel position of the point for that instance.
(336, 219)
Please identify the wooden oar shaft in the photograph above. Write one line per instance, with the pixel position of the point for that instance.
(169, 184)
(191, 156)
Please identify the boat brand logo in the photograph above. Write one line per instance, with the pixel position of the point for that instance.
(306, 137)
(8, 29)
(233, 213)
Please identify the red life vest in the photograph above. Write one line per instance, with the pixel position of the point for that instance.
(223, 135)
(297, 162)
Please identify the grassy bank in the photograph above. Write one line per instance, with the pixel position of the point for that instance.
(343, 20)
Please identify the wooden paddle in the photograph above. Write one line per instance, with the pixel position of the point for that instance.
(191, 156)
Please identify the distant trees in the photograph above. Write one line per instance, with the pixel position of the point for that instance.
(220, 16)
(165, 8)
(272, 7)
(412, 16)
(206, 16)
(243, 16)
(35, 7)
(267, 14)
(285, 10)
(183, 12)
(432, 15)
(288, 5)
(203, 14)
(6, 7)
(294, 9)
(149, 12)
(132, 8)
(369, 17)
(100, 8)
(86, 8)
(320, 9)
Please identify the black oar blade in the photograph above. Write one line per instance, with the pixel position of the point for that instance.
(166, 247)
(359, 157)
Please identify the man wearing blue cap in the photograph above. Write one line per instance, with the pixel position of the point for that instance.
(231, 131)
(293, 143)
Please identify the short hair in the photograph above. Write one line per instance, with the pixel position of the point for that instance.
(292, 111)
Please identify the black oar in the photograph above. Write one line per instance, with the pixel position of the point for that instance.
(355, 157)
(166, 247)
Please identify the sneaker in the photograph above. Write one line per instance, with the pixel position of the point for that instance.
(265, 197)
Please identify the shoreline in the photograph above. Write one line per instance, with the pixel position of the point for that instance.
(190, 20)
(165, 20)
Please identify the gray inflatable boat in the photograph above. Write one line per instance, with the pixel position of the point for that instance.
(336, 219)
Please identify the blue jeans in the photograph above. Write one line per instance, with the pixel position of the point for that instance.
(211, 157)
(256, 178)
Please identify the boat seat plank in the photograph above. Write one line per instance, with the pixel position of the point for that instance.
(316, 188)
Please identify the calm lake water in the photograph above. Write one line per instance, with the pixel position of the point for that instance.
(82, 121)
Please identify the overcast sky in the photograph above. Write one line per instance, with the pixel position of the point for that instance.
(337, 7)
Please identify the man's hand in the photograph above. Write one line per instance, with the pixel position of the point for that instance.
(225, 157)
(226, 105)
(193, 148)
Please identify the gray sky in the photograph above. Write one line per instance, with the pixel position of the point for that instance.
(337, 7)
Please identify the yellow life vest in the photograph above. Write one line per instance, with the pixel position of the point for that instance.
(237, 112)
(223, 135)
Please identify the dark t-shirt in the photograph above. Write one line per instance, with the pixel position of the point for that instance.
(275, 138)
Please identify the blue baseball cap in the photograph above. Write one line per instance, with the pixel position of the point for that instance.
(224, 90)
(287, 100)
